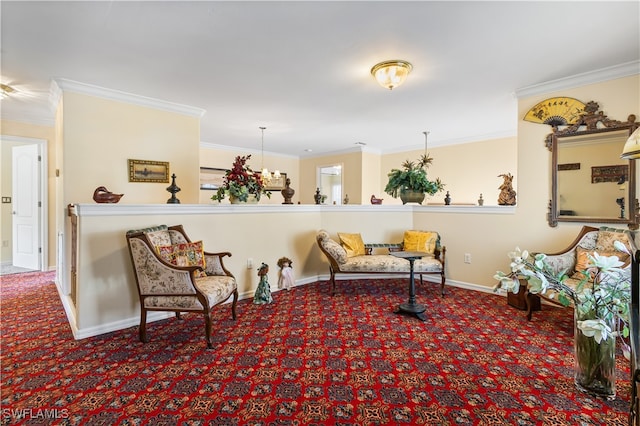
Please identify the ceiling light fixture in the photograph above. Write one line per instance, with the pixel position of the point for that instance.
(6, 90)
(391, 74)
(266, 176)
(631, 150)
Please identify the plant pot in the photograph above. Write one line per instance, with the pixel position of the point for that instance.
(411, 196)
(595, 363)
(250, 200)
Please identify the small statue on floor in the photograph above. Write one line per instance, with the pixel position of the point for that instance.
(286, 279)
(507, 194)
(263, 292)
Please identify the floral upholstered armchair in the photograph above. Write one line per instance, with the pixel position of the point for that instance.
(174, 274)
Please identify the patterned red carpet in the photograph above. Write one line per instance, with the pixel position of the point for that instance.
(306, 359)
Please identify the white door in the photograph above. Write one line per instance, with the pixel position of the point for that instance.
(26, 207)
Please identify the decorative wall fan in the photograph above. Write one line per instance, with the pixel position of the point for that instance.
(556, 112)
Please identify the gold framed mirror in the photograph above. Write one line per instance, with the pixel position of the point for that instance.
(590, 183)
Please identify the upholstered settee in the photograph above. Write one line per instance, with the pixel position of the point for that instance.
(351, 255)
(574, 259)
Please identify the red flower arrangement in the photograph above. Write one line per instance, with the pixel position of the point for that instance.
(241, 181)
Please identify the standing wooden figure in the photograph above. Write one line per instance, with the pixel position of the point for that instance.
(507, 194)
(286, 279)
(263, 292)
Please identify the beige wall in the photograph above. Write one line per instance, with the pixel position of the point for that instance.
(24, 130)
(467, 170)
(352, 166)
(100, 135)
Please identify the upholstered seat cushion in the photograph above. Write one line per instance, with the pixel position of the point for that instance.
(216, 288)
(388, 263)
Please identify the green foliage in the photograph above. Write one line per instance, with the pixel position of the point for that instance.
(413, 176)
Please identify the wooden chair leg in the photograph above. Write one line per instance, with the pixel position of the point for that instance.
(333, 281)
(207, 329)
(143, 326)
(233, 304)
(179, 315)
(529, 304)
(442, 280)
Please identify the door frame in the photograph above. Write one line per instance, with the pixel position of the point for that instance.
(43, 195)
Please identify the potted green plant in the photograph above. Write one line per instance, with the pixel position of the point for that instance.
(241, 183)
(411, 182)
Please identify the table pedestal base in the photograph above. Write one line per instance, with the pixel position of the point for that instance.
(412, 309)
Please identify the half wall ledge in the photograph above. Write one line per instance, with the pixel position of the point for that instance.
(186, 209)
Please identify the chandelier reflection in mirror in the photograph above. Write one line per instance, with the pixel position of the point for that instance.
(267, 177)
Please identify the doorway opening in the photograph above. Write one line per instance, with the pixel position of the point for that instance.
(330, 183)
(24, 208)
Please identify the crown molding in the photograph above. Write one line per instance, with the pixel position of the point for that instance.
(351, 150)
(604, 74)
(252, 151)
(32, 119)
(64, 85)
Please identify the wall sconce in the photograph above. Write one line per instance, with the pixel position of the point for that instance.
(391, 74)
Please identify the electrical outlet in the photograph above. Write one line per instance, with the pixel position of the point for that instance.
(6, 200)
(467, 258)
(249, 263)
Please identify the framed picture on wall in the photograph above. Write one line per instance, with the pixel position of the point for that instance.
(211, 178)
(148, 171)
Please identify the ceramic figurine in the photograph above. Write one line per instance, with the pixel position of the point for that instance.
(286, 279)
(317, 197)
(263, 292)
(346, 199)
(480, 200)
(447, 199)
(376, 201)
(102, 195)
(173, 189)
(507, 194)
(287, 192)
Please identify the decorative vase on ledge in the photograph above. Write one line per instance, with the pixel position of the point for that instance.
(410, 196)
(251, 200)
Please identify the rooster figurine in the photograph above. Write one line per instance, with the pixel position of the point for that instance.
(102, 195)
(375, 200)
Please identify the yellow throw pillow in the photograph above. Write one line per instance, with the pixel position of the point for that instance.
(607, 238)
(423, 241)
(184, 254)
(352, 244)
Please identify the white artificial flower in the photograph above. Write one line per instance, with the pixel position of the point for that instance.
(596, 328)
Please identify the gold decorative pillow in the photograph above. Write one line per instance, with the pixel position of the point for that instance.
(582, 261)
(424, 241)
(184, 254)
(352, 243)
(607, 238)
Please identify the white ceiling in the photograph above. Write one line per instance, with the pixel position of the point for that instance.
(302, 68)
